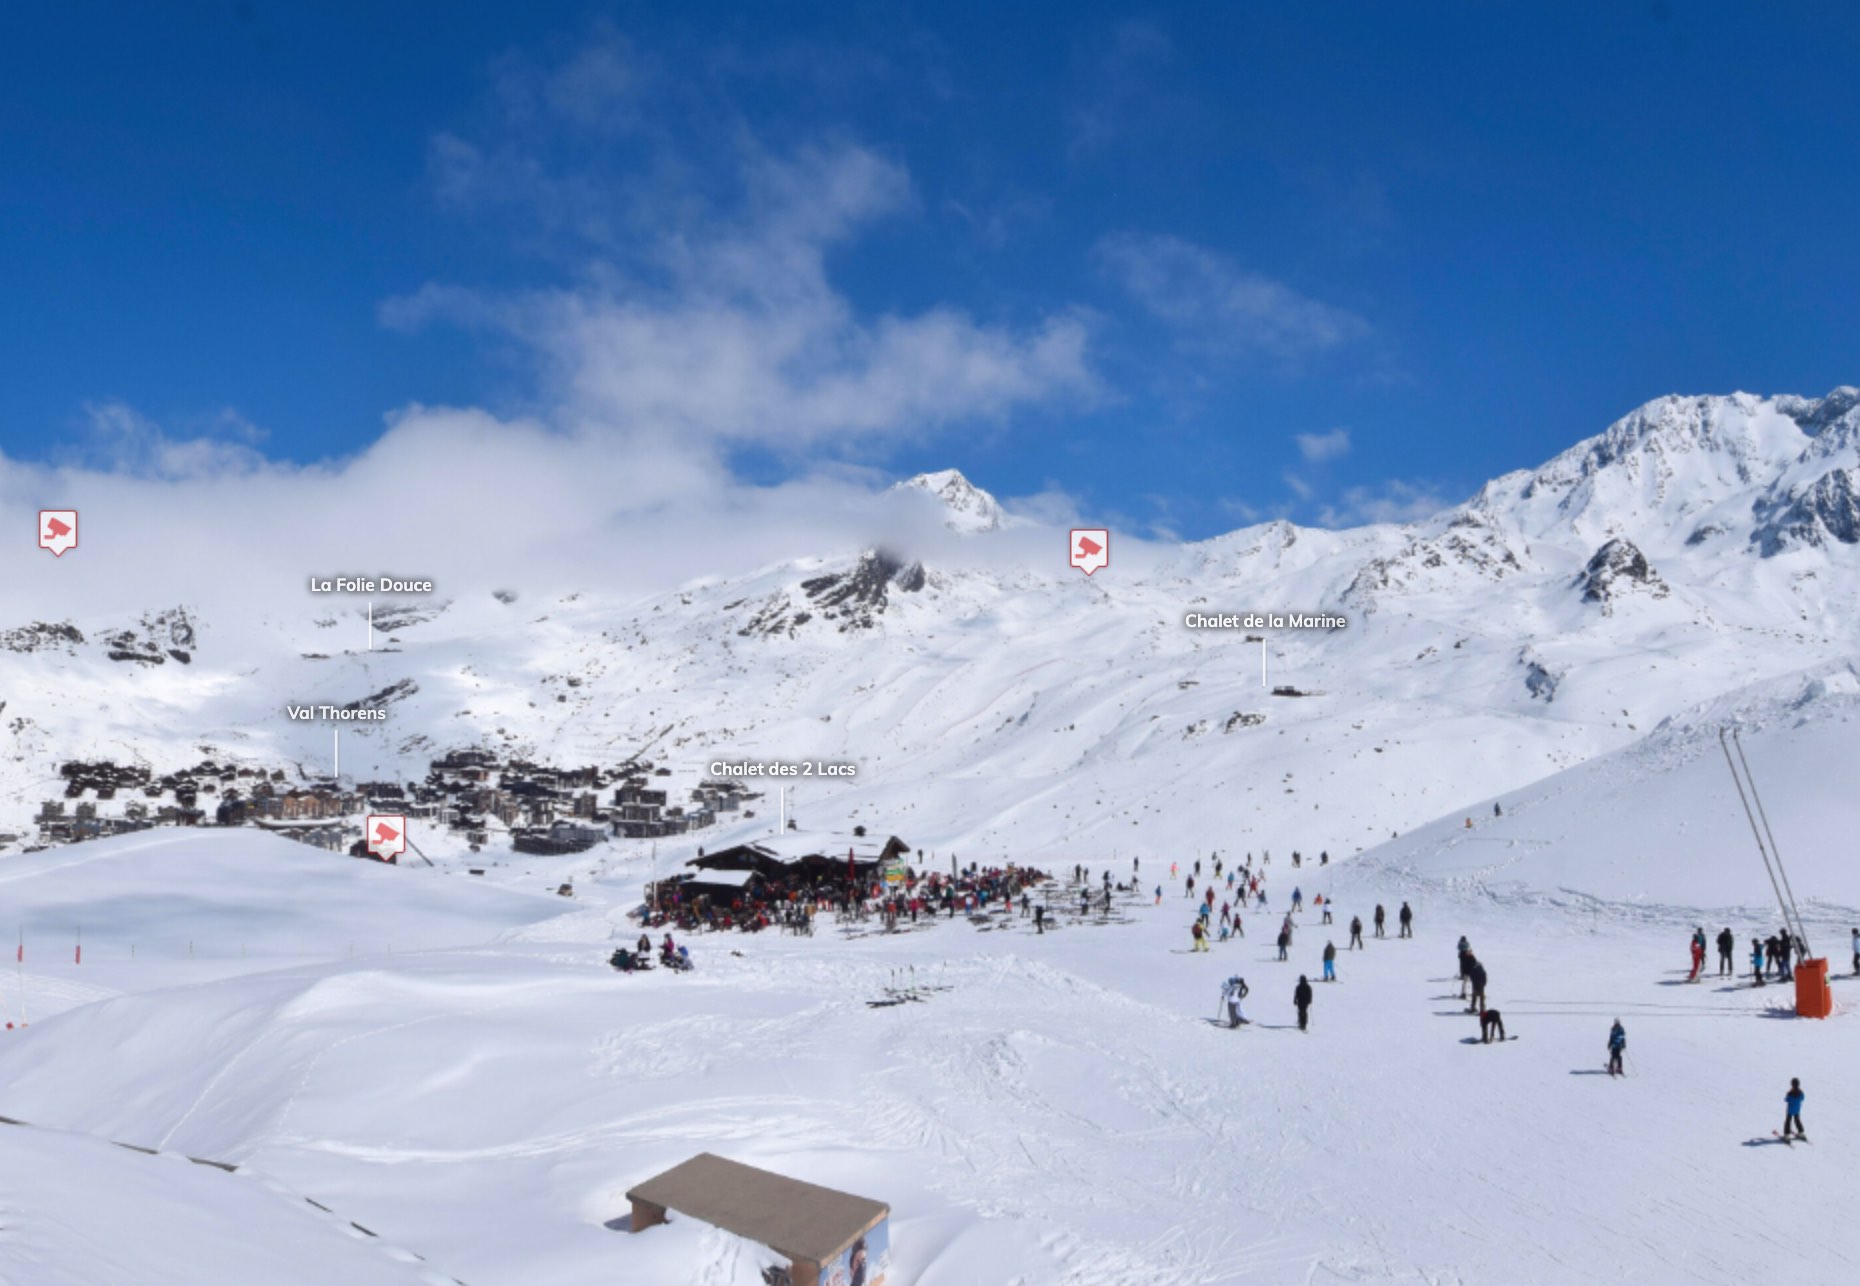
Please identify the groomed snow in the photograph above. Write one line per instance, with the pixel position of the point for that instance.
(1053, 1109)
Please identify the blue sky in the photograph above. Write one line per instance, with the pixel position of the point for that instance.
(1187, 266)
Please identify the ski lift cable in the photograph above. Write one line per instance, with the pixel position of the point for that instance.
(1762, 848)
(1799, 927)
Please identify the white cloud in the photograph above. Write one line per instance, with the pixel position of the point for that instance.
(1298, 486)
(1392, 501)
(1216, 306)
(1320, 447)
(737, 335)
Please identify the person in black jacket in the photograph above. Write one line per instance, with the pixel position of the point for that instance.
(1356, 936)
(1490, 1021)
(1301, 997)
(1407, 921)
(1476, 972)
(1726, 945)
(1381, 916)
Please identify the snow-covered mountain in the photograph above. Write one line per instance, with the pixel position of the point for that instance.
(1696, 546)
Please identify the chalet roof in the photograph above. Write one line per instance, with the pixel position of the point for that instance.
(796, 1219)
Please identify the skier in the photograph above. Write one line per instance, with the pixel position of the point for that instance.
(1465, 950)
(1327, 913)
(1857, 953)
(1490, 1021)
(1407, 921)
(1793, 1117)
(1330, 962)
(1497, 811)
(1232, 994)
(1698, 953)
(1200, 934)
(1617, 1046)
(1026, 905)
(1726, 945)
(1159, 895)
(1756, 963)
(1298, 899)
(1477, 974)
(1301, 997)
(1190, 891)
(1356, 933)
(1285, 940)
(1039, 919)
(1380, 917)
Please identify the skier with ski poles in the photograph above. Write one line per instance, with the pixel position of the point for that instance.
(1301, 997)
(1793, 1114)
(1727, 944)
(1617, 1047)
(1330, 962)
(1232, 993)
(1200, 935)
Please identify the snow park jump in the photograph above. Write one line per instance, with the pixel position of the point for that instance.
(522, 752)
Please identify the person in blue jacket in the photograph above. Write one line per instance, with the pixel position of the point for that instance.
(1617, 1046)
(1793, 1116)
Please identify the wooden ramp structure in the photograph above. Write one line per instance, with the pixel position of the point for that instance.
(825, 1234)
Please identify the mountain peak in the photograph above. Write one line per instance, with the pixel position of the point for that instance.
(970, 508)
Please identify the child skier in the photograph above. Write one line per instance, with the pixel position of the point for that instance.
(1489, 1022)
(1617, 1046)
(1793, 1115)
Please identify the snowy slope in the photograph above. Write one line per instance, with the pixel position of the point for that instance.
(77, 1211)
(1057, 1108)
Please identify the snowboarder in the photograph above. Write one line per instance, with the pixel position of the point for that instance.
(1489, 1022)
(1727, 944)
(1232, 993)
(1793, 1115)
(1200, 935)
(1301, 997)
(1330, 962)
(1407, 921)
(1476, 972)
(1356, 933)
(1381, 916)
(1617, 1046)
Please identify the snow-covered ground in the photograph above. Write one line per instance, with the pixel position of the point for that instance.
(476, 1087)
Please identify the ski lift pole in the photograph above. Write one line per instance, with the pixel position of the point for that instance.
(1762, 848)
(1801, 929)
